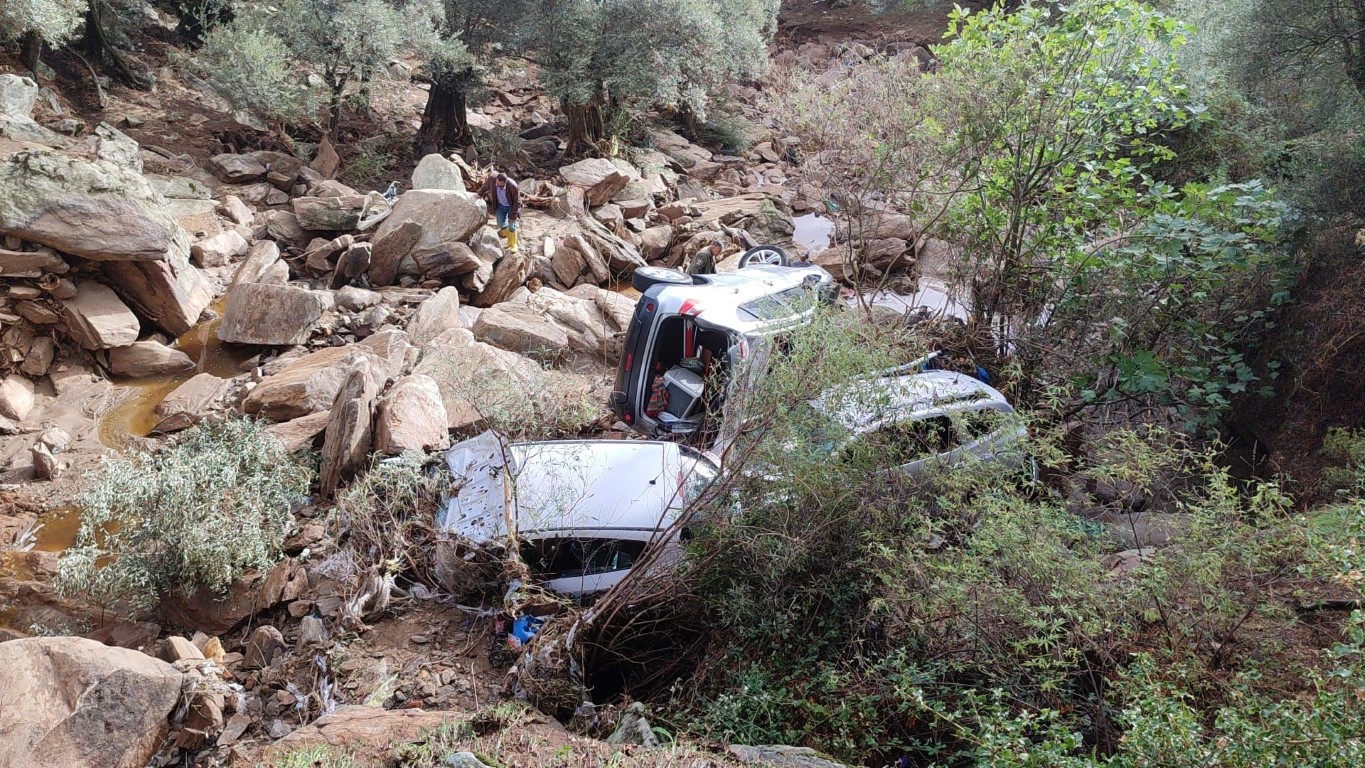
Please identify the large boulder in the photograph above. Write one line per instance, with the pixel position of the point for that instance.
(435, 316)
(518, 329)
(220, 249)
(310, 383)
(411, 417)
(331, 214)
(601, 179)
(237, 169)
(259, 266)
(208, 611)
(74, 702)
(172, 293)
(96, 210)
(17, 96)
(98, 319)
(346, 441)
(270, 314)
(436, 172)
(192, 400)
(509, 274)
(147, 358)
(446, 217)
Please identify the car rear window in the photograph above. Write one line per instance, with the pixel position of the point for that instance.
(776, 306)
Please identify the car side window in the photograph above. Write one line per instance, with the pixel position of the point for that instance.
(972, 425)
(907, 441)
(569, 558)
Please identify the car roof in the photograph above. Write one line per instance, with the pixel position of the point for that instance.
(623, 486)
(734, 300)
(867, 401)
(583, 488)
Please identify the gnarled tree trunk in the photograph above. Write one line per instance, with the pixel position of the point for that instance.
(586, 126)
(31, 51)
(445, 122)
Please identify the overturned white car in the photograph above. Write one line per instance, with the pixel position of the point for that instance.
(582, 510)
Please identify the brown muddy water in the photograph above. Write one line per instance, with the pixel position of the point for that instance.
(135, 415)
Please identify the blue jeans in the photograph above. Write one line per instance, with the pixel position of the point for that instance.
(504, 216)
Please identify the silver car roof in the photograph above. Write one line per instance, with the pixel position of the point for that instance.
(619, 489)
(863, 403)
(721, 301)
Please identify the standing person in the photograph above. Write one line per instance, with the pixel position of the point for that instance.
(503, 196)
(703, 262)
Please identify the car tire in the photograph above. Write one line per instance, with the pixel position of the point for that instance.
(765, 254)
(648, 277)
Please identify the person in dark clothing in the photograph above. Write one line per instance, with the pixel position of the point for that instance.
(504, 199)
(703, 262)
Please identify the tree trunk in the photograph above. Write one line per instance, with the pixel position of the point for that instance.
(98, 46)
(586, 127)
(31, 51)
(445, 122)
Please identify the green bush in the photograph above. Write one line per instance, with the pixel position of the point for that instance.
(200, 512)
(251, 66)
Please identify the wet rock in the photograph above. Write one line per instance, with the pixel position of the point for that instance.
(75, 702)
(191, 401)
(519, 330)
(258, 266)
(15, 397)
(31, 264)
(265, 644)
(346, 442)
(237, 169)
(219, 249)
(781, 756)
(411, 416)
(172, 294)
(270, 314)
(355, 299)
(435, 316)
(147, 358)
(97, 210)
(445, 217)
(436, 172)
(98, 319)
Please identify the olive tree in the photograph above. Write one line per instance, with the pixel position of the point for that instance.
(36, 22)
(465, 36)
(606, 60)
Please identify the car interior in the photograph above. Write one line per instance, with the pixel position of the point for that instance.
(687, 401)
(570, 558)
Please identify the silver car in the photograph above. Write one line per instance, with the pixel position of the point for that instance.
(584, 510)
(910, 419)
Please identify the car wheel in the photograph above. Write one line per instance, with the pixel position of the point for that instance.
(648, 277)
(765, 254)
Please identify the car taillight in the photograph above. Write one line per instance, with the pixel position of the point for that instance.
(690, 308)
(630, 359)
(629, 418)
(649, 306)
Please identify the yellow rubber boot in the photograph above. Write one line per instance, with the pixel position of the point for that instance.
(512, 241)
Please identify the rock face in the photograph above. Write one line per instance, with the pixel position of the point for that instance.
(270, 314)
(329, 214)
(520, 331)
(445, 218)
(436, 172)
(601, 178)
(97, 210)
(411, 417)
(310, 384)
(147, 358)
(98, 318)
(171, 294)
(435, 316)
(75, 702)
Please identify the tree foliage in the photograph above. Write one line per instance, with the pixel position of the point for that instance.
(253, 68)
(54, 21)
(199, 513)
(605, 60)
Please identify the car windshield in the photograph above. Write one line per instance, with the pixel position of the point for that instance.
(698, 474)
(775, 306)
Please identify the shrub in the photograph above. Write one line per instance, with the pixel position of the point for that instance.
(200, 512)
(251, 67)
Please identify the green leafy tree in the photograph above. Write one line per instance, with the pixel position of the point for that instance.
(199, 513)
(605, 60)
(253, 68)
(467, 34)
(39, 22)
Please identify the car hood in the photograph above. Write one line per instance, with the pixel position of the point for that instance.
(618, 488)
